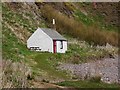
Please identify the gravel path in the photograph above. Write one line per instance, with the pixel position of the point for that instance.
(107, 69)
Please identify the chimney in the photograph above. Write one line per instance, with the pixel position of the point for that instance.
(54, 24)
(53, 21)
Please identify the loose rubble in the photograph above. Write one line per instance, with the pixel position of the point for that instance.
(107, 69)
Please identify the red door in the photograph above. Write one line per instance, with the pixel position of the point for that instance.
(54, 46)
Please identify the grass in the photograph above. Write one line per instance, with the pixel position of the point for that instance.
(13, 49)
(16, 51)
(20, 53)
(14, 17)
(69, 6)
(82, 53)
(83, 18)
(44, 63)
(96, 17)
(97, 20)
(76, 29)
(87, 84)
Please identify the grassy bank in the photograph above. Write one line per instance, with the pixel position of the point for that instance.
(88, 84)
(78, 29)
(43, 65)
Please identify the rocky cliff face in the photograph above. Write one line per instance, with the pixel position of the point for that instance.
(107, 10)
(107, 13)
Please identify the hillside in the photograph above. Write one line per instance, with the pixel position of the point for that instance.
(87, 29)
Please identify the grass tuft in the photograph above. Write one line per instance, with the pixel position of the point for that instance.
(76, 29)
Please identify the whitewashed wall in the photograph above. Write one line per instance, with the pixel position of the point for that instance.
(59, 50)
(41, 40)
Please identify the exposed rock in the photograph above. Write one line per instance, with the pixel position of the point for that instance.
(107, 69)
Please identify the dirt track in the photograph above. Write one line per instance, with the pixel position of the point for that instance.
(44, 85)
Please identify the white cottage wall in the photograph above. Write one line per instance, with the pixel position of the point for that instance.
(41, 40)
(64, 49)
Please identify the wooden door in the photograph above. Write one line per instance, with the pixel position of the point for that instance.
(54, 46)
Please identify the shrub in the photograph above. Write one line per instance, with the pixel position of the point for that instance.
(46, 81)
(76, 60)
(14, 74)
(77, 29)
(95, 79)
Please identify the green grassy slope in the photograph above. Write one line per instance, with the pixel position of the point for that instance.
(17, 27)
(14, 49)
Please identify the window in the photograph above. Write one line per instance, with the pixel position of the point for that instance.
(35, 48)
(61, 44)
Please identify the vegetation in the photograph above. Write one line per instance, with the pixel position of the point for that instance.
(88, 84)
(82, 53)
(21, 54)
(96, 79)
(25, 20)
(78, 29)
(47, 65)
(13, 49)
(83, 18)
(94, 17)
(43, 65)
(14, 74)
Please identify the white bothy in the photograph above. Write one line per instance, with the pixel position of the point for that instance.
(47, 40)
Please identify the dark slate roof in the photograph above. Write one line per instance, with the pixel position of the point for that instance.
(53, 34)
